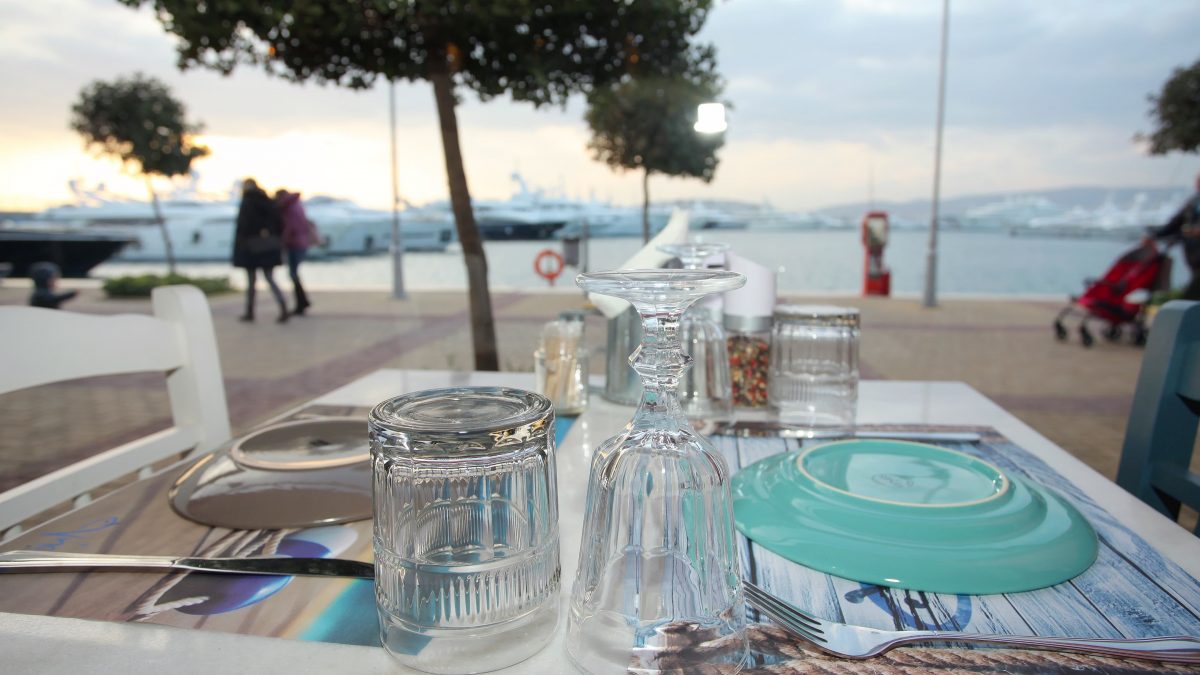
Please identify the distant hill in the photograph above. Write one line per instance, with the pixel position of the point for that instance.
(1066, 198)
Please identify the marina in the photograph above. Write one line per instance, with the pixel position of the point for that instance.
(813, 261)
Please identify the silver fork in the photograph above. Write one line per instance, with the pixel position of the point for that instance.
(860, 642)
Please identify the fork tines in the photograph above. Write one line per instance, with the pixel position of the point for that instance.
(784, 613)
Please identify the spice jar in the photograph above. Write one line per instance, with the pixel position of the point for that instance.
(749, 340)
(748, 313)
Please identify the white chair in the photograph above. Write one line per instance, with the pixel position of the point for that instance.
(40, 346)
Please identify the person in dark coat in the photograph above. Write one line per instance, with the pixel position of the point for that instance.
(45, 278)
(258, 244)
(1184, 227)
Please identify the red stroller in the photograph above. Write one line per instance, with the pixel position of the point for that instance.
(1144, 268)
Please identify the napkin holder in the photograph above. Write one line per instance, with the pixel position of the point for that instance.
(621, 384)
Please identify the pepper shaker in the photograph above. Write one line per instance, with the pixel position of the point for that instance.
(747, 321)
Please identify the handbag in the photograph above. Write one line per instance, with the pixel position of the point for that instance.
(265, 242)
(314, 235)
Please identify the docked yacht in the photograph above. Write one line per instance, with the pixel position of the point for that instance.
(203, 229)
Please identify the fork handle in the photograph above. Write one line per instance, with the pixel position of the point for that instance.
(1174, 649)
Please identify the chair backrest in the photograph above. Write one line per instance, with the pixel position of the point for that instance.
(1161, 434)
(40, 346)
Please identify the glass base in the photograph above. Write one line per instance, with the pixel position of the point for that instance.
(676, 647)
(469, 651)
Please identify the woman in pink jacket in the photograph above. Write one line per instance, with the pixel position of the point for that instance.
(298, 234)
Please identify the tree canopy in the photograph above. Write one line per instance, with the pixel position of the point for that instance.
(1176, 113)
(137, 120)
(647, 122)
(536, 52)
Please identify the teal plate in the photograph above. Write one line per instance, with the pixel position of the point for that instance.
(910, 515)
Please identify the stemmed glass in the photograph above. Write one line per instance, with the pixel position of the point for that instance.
(705, 390)
(657, 589)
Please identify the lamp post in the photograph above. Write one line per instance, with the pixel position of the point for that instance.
(397, 238)
(930, 299)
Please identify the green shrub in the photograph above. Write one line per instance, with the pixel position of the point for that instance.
(139, 286)
(1163, 297)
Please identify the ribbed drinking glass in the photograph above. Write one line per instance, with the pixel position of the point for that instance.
(466, 527)
(814, 366)
(705, 390)
(658, 587)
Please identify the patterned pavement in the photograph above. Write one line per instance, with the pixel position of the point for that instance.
(1077, 397)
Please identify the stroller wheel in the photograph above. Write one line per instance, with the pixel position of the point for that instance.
(1060, 331)
(1113, 333)
(1139, 335)
(1085, 336)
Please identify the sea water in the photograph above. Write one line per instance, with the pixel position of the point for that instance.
(809, 262)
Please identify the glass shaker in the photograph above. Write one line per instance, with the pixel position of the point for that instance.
(704, 389)
(466, 527)
(560, 365)
(748, 313)
(749, 358)
(814, 365)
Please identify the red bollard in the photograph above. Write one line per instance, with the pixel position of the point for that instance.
(877, 278)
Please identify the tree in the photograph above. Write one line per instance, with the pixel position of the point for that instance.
(540, 53)
(1176, 112)
(646, 123)
(138, 121)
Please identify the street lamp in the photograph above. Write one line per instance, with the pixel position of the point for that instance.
(397, 236)
(930, 296)
(710, 118)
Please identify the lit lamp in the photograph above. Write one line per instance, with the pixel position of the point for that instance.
(710, 118)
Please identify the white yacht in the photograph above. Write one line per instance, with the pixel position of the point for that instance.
(203, 229)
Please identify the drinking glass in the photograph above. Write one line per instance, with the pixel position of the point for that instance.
(814, 366)
(466, 527)
(658, 570)
(705, 390)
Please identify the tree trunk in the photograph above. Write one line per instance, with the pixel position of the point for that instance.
(483, 327)
(162, 227)
(645, 205)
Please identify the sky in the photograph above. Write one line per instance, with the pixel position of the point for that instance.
(834, 100)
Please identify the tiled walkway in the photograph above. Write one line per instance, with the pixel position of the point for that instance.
(1077, 397)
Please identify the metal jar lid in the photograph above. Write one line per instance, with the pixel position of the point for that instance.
(747, 324)
(830, 315)
(463, 420)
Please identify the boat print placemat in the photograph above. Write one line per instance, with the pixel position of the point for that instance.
(1131, 591)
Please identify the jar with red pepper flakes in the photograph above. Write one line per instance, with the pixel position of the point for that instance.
(749, 340)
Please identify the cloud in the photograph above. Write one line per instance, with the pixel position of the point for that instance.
(825, 93)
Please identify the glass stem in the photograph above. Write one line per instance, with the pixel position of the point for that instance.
(660, 361)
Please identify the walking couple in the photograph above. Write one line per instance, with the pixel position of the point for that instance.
(265, 227)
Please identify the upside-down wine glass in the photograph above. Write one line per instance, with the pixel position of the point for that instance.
(657, 589)
(705, 389)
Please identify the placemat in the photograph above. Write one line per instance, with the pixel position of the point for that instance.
(1132, 591)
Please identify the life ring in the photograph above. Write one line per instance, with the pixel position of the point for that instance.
(548, 271)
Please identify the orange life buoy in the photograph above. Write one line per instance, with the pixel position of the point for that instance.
(550, 271)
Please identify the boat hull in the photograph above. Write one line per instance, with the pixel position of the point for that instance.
(75, 253)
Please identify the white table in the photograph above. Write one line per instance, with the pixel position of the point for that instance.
(71, 646)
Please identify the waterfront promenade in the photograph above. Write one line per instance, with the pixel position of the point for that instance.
(1079, 398)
